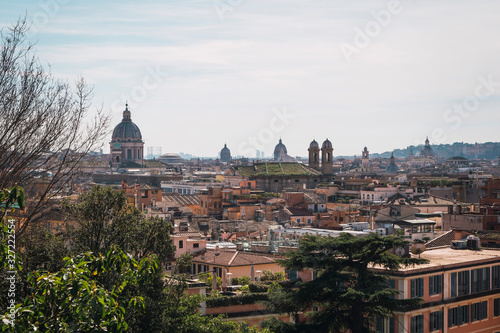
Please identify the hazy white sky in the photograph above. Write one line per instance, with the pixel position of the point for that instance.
(197, 74)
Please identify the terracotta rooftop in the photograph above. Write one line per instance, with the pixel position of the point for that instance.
(442, 240)
(182, 200)
(232, 258)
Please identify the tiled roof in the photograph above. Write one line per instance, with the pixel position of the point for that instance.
(148, 187)
(154, 164)
(440, 241)
(313, 198)
(300, 212)
(232, 258)
(188, 234)
(182, 200)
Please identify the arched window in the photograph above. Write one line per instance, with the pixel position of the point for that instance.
(315, 157)
(118, 159)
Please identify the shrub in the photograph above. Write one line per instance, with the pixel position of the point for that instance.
(236, 300)
(244, 280)
(258, 287)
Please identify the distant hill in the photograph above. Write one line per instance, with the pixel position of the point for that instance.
(488, 150)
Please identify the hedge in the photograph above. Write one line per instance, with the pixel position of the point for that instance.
(236, 300)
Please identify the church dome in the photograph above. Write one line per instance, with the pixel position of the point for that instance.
(225, 154)
(327, 144)
(126, 129)
(392, 167)
(427, 151)
(314, 145)
(225, 149)
(279, 148)
(170, 158)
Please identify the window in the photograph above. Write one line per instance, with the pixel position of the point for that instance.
(417, 324)
(196, 245)
(480, 279)
(309, 221)
(458, 316)
(496, 307)
(495, 275)
(385, 325)
(453, 278)
(181, 244)
(434, 284)
(479, 311)
(417, 287)
(436, 321)
(463, 283)
(392, 285)
(298, 220)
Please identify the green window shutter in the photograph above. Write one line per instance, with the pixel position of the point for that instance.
(412, 288)
(466, 313)
(380, 325)
(450, 317)
(421, 291)
(431, 285)
(487, 279)
(453, 284)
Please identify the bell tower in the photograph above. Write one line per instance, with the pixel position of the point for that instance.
(327, 158)
(314, 155)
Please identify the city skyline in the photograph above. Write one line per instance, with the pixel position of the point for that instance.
(197, 74)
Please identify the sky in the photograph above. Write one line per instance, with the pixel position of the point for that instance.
(200, 73)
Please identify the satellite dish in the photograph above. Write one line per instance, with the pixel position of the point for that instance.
(417, 249)
(400, 251)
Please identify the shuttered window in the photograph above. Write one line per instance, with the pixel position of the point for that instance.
(458, 316)
(495, 276)
(463, 283)
(496, 307)
(417, 324)
(453, 278)
(480, 279)
(436, 321)
(479, 311)
(435, 284)
(417, 287)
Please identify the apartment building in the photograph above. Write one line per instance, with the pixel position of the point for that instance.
(460, 289)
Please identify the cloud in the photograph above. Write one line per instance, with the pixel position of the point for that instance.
(226, 76)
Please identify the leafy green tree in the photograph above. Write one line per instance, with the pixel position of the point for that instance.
(347, 291)
(86, 295)
(184, 263)
(104, 218)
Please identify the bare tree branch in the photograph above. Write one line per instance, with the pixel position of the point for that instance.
(45, 127)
